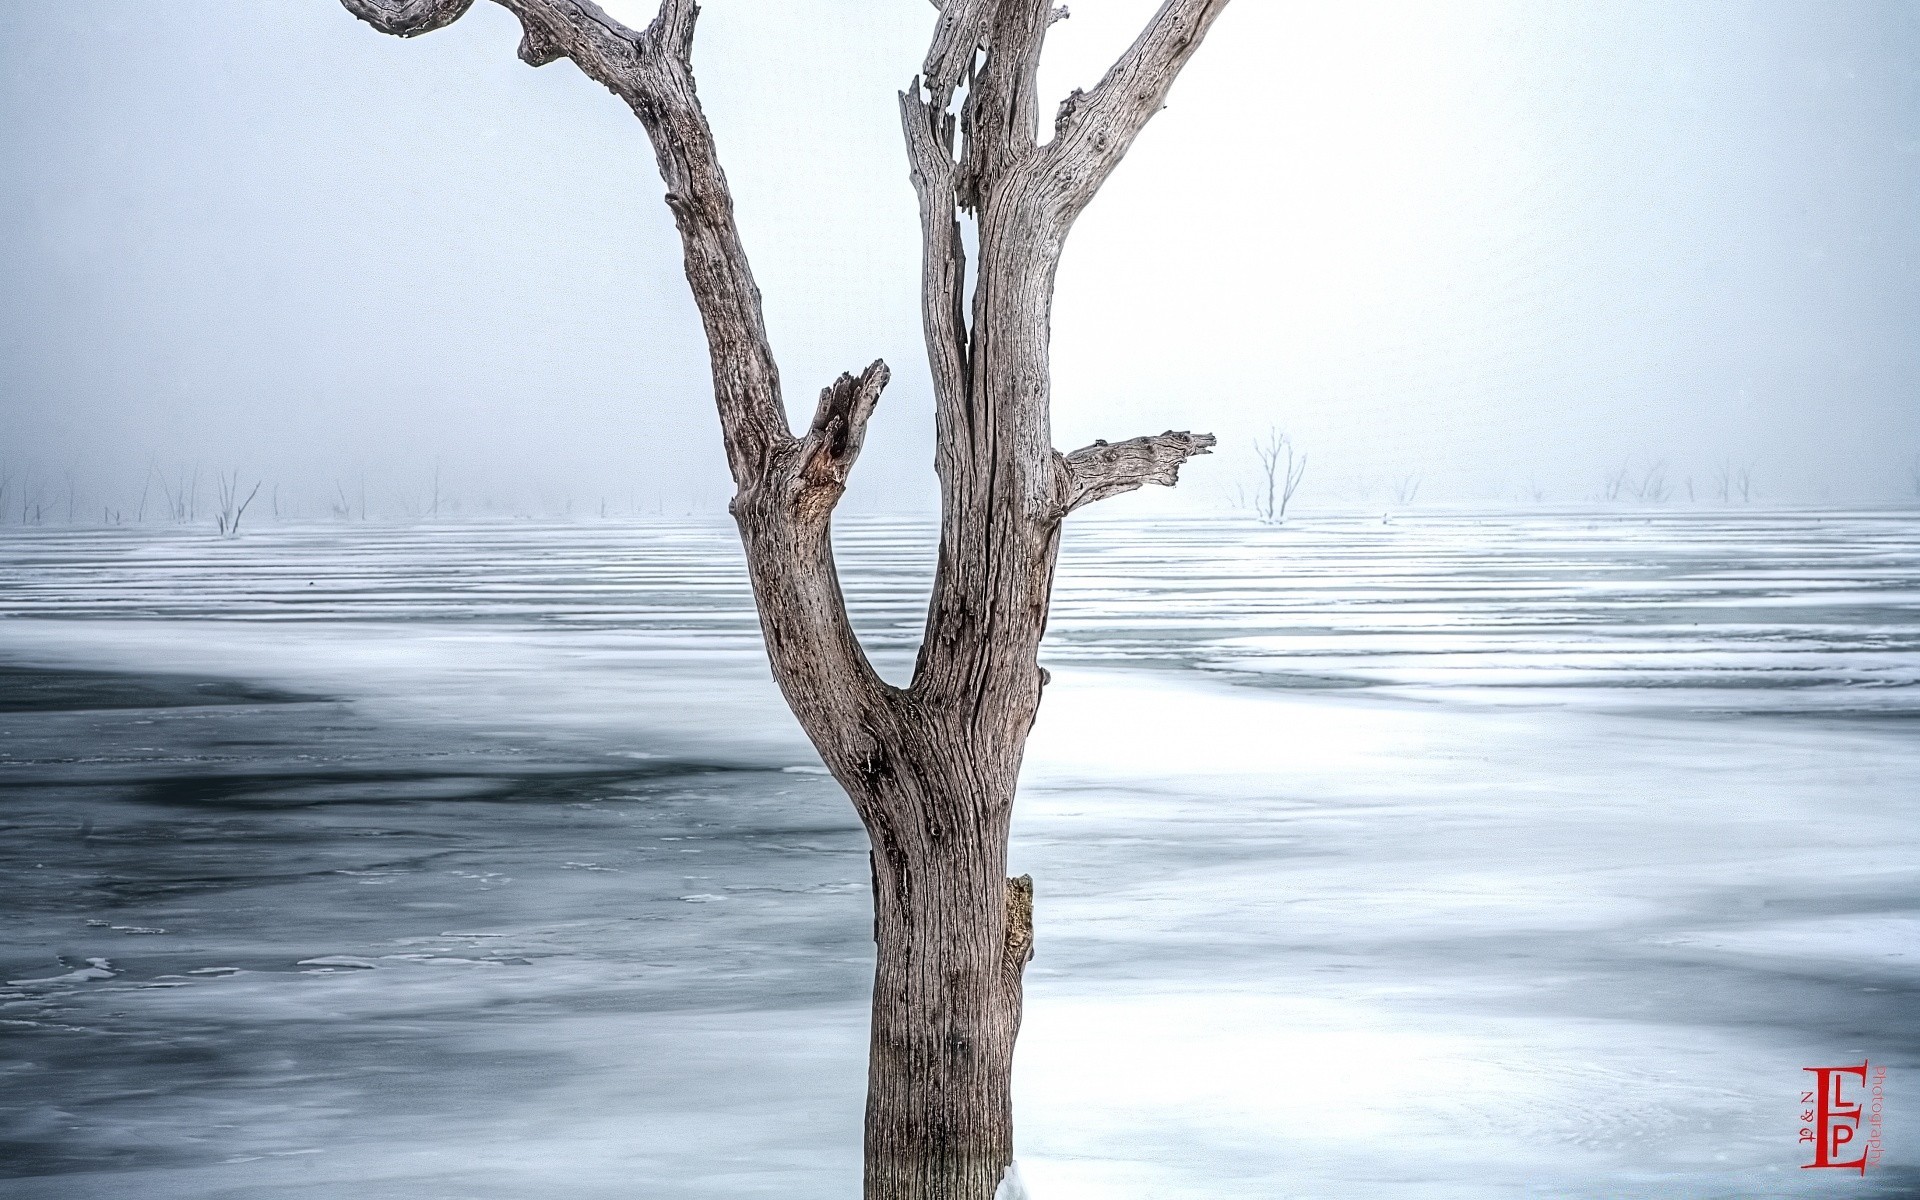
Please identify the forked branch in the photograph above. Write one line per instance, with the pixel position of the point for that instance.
(1109, 468)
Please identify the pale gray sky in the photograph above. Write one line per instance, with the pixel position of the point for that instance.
(1487, 244)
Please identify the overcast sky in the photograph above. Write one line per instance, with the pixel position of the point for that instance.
(1503, 247)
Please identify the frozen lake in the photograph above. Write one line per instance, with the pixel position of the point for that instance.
(1452, 856)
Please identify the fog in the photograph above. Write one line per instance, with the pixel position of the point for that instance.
(1498, 249)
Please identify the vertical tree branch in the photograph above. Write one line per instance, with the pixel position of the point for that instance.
(943, 268)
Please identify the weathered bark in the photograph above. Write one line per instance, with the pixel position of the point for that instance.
(931, 768)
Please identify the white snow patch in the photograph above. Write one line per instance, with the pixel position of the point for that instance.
(96, 968)
(1010, 1186)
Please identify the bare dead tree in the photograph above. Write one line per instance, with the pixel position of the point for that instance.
(1723, 482)
(1406, 489)
(931, 767)
(146, 486)
(1280, 472)
(1615, 483)
(1743, 484)
(173, 509)
(232, 505)
(1653, 487)
(6, 485)
(33, 509)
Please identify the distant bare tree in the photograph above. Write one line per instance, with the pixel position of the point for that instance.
(232, 506)
(1406, 489)
(183, 496)
(342, 510)
(1535, 492)
(1743, 484)
(1279, 476)
(1653, 487)
(6, 485)
(176, 501)
(32, 509)
(1615, 484)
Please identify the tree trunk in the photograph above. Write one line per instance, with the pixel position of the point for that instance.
(931, 768)
(952, 935)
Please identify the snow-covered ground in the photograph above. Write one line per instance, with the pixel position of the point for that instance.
(1471, 855)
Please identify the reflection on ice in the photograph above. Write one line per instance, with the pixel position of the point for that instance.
(1509, 856)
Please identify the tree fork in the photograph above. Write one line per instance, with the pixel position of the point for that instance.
(931, 768)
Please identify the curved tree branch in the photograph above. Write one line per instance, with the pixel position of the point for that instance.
(1110, 468)
(408, 18)
(652, 71)
(787, 486)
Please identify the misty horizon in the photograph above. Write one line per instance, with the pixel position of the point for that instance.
(1487, 254)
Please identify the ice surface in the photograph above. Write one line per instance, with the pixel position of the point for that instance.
(1467, 856)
